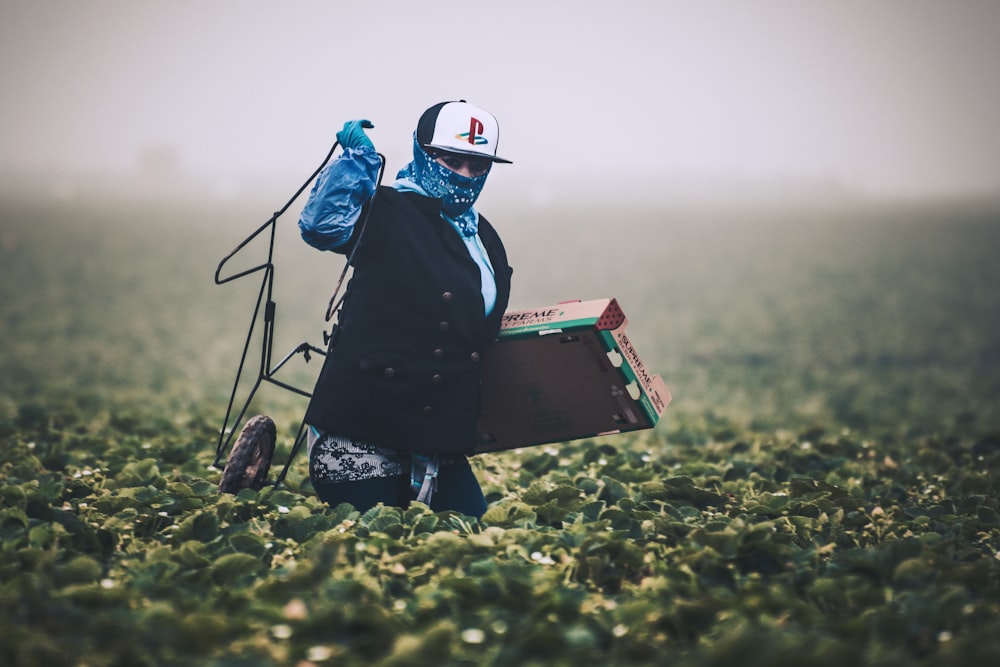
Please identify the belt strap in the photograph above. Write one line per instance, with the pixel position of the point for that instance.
(423, 476)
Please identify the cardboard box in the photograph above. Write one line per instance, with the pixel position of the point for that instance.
(562, 373)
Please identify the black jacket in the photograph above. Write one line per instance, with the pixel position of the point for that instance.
(403, 369)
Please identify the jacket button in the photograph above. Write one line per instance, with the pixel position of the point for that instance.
(389, 373)
(474, 356)
(436, 378)
(438, 354)
(446, 296)
(443, 326)
(427, 409)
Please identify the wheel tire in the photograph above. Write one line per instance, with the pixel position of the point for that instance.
(250, 460)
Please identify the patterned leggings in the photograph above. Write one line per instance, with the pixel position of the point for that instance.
(457, 490)
(343, 470)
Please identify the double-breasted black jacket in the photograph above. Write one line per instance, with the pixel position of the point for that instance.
(403, 369)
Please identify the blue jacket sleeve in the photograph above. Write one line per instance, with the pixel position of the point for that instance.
(335, 202)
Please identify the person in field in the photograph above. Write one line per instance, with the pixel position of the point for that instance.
(392, 418)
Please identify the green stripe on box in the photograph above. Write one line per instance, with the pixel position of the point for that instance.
(535, 328)
(631, 376)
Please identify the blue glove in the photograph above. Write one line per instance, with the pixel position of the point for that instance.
(353, 135)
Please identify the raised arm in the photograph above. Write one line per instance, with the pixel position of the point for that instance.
(341, 190)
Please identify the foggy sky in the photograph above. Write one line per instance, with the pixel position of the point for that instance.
(885, 97)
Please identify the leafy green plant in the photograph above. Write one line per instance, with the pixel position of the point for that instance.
(824, 489)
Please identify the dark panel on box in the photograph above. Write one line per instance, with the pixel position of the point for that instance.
(552, 388)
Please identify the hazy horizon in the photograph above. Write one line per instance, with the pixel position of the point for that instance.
(886, 99)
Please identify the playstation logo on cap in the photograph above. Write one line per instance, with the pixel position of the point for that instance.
(460, 127)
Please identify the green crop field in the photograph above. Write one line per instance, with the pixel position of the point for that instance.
(823, 490)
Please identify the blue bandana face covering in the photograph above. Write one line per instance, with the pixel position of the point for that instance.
(457, 193)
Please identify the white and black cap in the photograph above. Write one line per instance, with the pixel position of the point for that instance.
(460, 127)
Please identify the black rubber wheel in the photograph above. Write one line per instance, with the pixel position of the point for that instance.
(250, 460)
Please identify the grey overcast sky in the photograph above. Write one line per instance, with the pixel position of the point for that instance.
(887, 96)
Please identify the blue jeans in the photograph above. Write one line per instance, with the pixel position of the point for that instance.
(457, 490)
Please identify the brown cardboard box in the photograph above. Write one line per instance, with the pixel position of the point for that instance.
(565, 372)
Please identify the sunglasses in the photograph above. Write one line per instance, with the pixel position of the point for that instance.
(474, 166)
